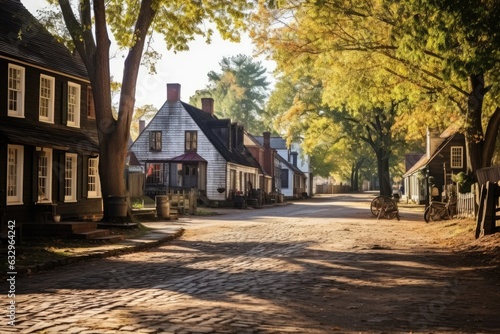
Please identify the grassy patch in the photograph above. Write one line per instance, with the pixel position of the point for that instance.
(142, 202)
(37, 251)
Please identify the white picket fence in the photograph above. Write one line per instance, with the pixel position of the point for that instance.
(465, 205)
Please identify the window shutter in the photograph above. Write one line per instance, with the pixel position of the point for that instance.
(79, 177)
(85, 176)
(64, 109)
(61, 168)
(34, 176)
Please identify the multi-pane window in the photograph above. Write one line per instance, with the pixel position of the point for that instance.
(191, 141)
(15, 161)
(456, 157)
(44, 175)
(16, 91)
(94, 184)
(155, 141)
(46, 109)
(70, 172)
(73, 105)
(154, 174)
(90, 104)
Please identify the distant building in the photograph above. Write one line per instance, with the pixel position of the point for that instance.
(296, 176)
(445, 156)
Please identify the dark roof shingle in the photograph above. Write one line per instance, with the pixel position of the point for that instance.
(22, 37)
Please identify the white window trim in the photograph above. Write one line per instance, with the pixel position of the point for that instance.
(452, 164)
(20, 98)
(97, 192)
(76, 122)
(48, 195)
(74, 175)
(50, 117)
(18, 198)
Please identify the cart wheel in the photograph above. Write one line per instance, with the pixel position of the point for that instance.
(376, 205)
(431, 214)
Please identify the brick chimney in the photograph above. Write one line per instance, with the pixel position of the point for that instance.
(267, 139)
(294, 158)
(207, 105)
(268, 155)
(142, 125)
(173, 92)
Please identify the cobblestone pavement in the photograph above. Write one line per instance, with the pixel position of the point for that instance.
(318, 266)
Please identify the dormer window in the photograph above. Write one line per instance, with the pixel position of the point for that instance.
(191, 139)
(46, 108)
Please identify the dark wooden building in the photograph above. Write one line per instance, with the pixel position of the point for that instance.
(444, 157)
(49, 152)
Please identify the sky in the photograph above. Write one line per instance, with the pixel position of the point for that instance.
(188, 68)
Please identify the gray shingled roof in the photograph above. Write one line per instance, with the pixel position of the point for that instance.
(206, 122)
(24, 38)
(277, 143)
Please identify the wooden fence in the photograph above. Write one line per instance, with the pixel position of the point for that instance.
(332, 189)
(465, 205)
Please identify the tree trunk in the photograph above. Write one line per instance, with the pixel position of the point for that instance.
(491, 137)
(474, 136)
(383, 173)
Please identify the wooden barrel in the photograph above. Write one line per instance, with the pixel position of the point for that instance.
(117, 206)
(162, 207)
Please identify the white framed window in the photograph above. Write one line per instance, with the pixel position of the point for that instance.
(44, 175)
(93, 181)
(46, 109)
(74, 93)
(16, 91)
(15, 167)
(70, 174)
(457, 160)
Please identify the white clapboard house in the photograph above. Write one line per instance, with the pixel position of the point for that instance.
(184, 147)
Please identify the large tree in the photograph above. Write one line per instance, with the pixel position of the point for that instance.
(132, 24)
(240, 91)
(442, 51)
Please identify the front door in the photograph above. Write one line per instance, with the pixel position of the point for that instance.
(190, 176)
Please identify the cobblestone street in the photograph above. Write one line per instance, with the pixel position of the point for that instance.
(317, 266)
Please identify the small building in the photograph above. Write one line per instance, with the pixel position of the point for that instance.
(184, 147)
(267, 158)
(49, 152)
(295, 175)
(445, 156)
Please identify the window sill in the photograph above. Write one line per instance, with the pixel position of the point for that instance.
(15, 203)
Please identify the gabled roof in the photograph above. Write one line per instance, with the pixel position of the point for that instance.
(290, 166)
(23, 38)
(206, 122)
(448, 135)
(277, 143)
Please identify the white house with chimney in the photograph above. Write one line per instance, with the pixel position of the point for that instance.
(184, 147)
